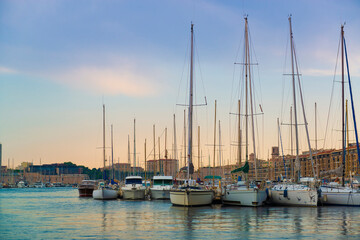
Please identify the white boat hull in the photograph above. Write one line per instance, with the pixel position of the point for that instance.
(338, 197)
(249, 198)
(186, 197)
(295, 198)
(134, 194)
(160, 193)
(104, 194)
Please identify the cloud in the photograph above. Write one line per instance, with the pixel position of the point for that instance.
(111, 81)
(6, 70)
(318, 72)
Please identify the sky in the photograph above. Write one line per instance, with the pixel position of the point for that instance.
(61, 60)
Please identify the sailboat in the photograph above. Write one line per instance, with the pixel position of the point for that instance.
(333, 193)
(303, 192)
(133, 189)
(104, 192)
(190, 194)
(162, 185)
(245, 193)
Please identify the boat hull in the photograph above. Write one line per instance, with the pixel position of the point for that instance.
(104, 194)
(186, 197)
(334, 197)
(305, 198)
(133, 194)
(249, 198)
(160, 194)
(86, 192)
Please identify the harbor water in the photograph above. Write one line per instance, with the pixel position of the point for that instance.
(59, 213)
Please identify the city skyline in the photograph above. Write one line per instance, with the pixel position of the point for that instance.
(60, 61)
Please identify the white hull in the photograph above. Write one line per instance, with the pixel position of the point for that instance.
(186, 197)
(160, 193)
(295, 198)
(335, 196)
(133, 194)
(250, 197)
(104, 194)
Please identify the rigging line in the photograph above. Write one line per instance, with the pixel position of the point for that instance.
(182, 74)
(199, 67)
(332, 94)
(352, 104)
(252, 49)
(303, 109)
(283, 78)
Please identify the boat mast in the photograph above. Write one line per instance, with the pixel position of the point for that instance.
(252, 108)
(221, 170)
(239, 135)
(190, 114)
(129, 161)
(104, 175)
(246, 90)
(134, 150)
(112, 153)
(166, 156)
(145, 159)
(184, 137)
(155, 165)
(316, 151)
(160, 165)
(343, 104)
(213, 172)
(199, 152)
(297, 161)
(174, 147)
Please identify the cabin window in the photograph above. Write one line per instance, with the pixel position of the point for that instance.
(133, 181)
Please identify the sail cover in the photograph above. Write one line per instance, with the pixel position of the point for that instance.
(244, 168)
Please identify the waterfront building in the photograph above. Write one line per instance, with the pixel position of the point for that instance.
(166, 167)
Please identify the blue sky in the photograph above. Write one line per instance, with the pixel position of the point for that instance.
(60, 60)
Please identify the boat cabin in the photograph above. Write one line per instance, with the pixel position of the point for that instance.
(162, 180)
(133, 180)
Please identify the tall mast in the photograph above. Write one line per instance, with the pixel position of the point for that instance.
(251, 108)
(174, 147)
(297, 161)
(239, 135)
(343, 104)
(104, 141)
(316, 156)
(213, 172)
(112, 153)
(291, 143)
(184, 137)
(166, 156)
(134, 149)
(155, 167)
(220, 147)
(160, 165)
(129, 161)
(145, 159)
(199, 152)
(190, 103)
(246, 90)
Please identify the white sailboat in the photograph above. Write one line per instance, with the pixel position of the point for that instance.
(303, 192)
(104, 192)
(333, 193)
(244, 193)
(190, 194)
(134, 189)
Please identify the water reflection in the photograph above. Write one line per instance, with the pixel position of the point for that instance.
(63, 213)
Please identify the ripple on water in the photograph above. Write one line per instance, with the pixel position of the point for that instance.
(57, 213)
